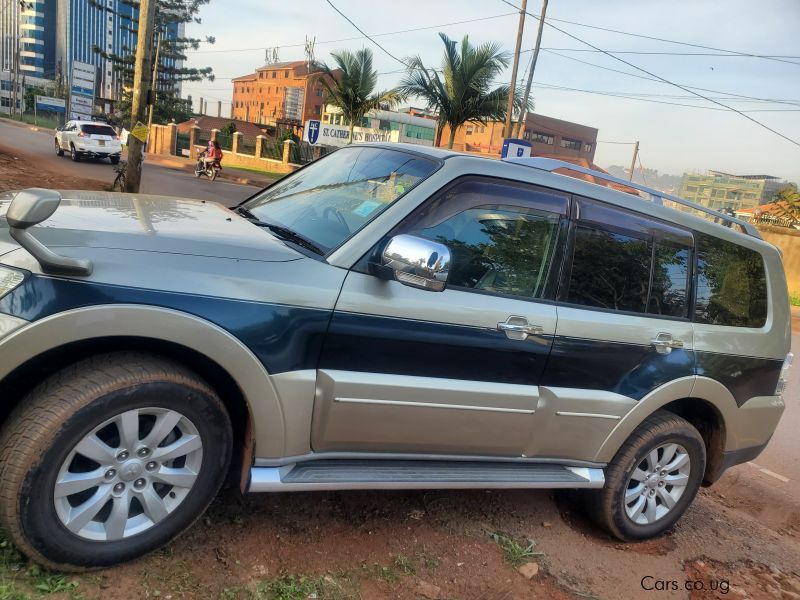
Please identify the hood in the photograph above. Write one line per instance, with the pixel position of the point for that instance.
(149, 223)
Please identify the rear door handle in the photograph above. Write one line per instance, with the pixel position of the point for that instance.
(518, 328)
(664, 343)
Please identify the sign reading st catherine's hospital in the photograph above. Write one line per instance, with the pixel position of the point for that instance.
(316, 132)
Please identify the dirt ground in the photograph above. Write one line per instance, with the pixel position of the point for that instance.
(19, 170)
(739, 539)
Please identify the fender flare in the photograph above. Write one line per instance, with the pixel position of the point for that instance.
(700, 388)
(162, 324)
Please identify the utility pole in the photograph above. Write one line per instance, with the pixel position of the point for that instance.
(16, 81)
(154, 86)
(219, 108)
(510, 108)
(147, 12)
(524, 113)
(633, 162)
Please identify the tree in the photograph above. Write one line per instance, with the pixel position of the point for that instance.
(170, 15)
(351, 87)
(463, 93)
(788, 204)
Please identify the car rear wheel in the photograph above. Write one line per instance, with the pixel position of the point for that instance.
(59, 149)
(652, 479)
(74, 154)
(110, 459)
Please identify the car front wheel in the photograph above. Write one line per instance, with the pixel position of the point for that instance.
(110, 459)
(652, 479)
(59, 149)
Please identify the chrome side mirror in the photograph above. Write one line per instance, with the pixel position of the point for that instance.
(417, 262)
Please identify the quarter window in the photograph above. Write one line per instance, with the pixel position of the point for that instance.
(731, 284)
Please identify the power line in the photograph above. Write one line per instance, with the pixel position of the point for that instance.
(346, 18)
(622, 60)
(549, 86)
(591, 64)
(665, 53)
(350, 39)
(658, 39)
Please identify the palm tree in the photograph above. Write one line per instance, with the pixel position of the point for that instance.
(787, 202)
(464, 91)
(352, 88)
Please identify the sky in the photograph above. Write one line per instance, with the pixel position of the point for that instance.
(673, 139)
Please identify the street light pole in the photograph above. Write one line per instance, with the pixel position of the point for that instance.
(524, 112)
(633, 162)
(154, 86)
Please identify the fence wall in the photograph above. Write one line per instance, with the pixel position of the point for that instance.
(788, 240)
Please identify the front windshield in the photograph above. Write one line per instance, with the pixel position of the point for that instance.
(334, 197)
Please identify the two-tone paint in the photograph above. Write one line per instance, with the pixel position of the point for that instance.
(333, 360)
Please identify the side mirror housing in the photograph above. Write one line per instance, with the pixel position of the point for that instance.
(416, 262)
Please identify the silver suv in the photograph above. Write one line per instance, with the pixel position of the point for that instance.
(388, 317)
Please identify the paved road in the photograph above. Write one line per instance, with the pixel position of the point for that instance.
(155, 179)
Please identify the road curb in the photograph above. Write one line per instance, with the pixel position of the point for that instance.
(181, 165)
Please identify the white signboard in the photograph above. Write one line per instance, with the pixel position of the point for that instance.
(82, 93)
(46, 103)
(316, 132)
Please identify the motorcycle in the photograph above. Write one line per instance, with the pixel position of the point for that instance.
(209, 169)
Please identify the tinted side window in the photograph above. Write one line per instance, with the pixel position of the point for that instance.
(502, 236)
(610, 270)
(502, 249)
(731, 284)
(668, 292)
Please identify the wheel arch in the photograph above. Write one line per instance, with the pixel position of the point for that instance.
(705, 403)
(42, 347)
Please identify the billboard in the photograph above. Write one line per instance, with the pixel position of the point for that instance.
(293, 105)
(48, 104)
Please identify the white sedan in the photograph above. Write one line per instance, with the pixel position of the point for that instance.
(88, 139)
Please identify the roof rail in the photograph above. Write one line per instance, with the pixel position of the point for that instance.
(656, 196)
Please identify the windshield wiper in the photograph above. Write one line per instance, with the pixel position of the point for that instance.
(281, 231)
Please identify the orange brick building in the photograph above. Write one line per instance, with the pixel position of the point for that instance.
(280, 91)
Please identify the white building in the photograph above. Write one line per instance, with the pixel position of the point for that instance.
(410, 129)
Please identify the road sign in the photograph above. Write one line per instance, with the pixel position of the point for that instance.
(48, 104)
(140, 132)
(515, 148)
(82, 90)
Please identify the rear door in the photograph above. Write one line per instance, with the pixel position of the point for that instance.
(410, 370)
(623, 323)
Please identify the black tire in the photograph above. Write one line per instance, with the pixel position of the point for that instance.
(114, 160)
(74, 154)
(59, 149)
(213, 175)
(42, 431)
(607, 506)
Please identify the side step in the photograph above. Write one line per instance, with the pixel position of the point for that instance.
(419, 474)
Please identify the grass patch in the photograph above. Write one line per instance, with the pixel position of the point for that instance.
(794, 299)
(273, 174)
(300, 587)
(39, 122)
(19, 578)
(515, 553)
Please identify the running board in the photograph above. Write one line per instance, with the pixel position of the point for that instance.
(419, 474)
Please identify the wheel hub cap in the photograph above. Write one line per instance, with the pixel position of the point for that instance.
(128, 474)
(657, 483)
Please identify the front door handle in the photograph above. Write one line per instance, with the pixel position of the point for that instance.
(518, 328)
(664, 343)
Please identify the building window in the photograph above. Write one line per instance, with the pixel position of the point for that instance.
(571, 144)
(318, 109)
(587, 147)
(470, 129)
(286, 74)
(261, 75)
(273, 74)
(541, 138)
(318, 92)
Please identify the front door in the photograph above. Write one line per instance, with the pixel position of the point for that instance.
(455, 372)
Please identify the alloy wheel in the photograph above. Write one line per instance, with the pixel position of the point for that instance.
(657, 483)
(128, 474)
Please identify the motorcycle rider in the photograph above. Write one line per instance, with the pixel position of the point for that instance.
(213, 154)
